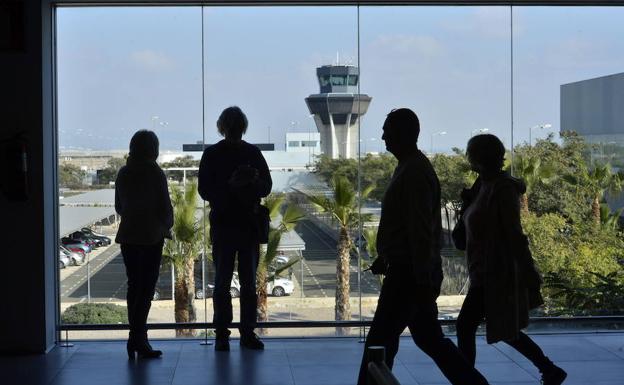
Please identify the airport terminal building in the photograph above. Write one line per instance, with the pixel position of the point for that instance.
(594, 109)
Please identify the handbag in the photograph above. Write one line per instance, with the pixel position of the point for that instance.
(459, 231)
(459, 234)
(262, 221)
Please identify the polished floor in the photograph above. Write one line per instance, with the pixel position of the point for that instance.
(590, 359)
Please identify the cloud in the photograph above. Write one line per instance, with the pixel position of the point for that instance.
(151, 60)
(485, 22)
(425, 46)
(580, 53)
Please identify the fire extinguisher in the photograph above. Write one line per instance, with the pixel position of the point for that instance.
(15, 164)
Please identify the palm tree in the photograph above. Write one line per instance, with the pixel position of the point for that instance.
(533, 172)
(287, 222)
(343, 207)
(599, 181)
(186, 245)
(370, 235)
(610, 219)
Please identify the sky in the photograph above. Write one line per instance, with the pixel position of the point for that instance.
(123, 69)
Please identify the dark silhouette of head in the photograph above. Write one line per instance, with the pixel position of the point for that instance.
(232, 123)
(486, 153)
(144, 146)
(400, 131)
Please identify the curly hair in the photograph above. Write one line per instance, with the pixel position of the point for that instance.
(232, 122)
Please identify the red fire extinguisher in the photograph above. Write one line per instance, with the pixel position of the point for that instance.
(14, 179)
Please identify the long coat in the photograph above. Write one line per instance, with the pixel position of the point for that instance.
(512, 282)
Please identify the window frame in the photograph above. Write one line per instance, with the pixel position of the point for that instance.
(50, 99)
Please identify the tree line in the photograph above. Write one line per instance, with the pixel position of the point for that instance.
(575, 238)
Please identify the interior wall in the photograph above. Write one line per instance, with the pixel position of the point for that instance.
(27, 239)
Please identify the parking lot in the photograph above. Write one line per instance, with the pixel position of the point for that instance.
(108, 277)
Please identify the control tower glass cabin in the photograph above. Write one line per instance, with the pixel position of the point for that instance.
(337, 109)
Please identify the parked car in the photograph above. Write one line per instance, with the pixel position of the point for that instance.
(78, 249)
(87, 231)
(281, 260)
(63, 260)
(85, 241)
(280, 287)
(277, 288)
(80, 236)
(199, 293)
(74, 245)
(75, 258)
(163, 285)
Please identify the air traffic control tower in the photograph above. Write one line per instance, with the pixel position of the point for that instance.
(337, 109)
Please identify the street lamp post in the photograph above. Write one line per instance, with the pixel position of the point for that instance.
(602, 146)
(160, 123)
(373, 140)
(88, 278)
(440, 133)
(479, 130)
(541, 127)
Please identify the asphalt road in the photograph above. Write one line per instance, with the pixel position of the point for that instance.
(108, 280)
(319, 278)
(108, 283)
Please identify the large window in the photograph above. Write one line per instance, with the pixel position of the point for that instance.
(568, 76)
(547, 81)
(121, 70)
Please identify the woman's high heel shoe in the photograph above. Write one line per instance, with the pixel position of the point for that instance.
(142, 350)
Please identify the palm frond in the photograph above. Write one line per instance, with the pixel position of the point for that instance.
(275, 236)
(344, 193)
(273, 202)
(291, 216)
(321, 203)
(283, 268)
(370, 234)
(367, 191)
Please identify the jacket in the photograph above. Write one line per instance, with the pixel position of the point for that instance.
(142, 200)
(410, 223)
(232, 211)
(512, 282)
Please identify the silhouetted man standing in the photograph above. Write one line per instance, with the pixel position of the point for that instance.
(408, 244)
(233, 177)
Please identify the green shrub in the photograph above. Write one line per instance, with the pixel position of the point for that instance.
(94, 313)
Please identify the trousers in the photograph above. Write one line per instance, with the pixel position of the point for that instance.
(224, 254)
(142, 268)
(402, 304)
(472, 314)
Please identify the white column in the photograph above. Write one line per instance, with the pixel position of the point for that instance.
(348, 138)
(335, 149)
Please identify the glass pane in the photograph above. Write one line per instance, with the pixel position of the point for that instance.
(450, 65)
(569, 148)
(120, 69)
(250, 51)
(338, 80)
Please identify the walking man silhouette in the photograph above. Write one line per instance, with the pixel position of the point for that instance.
(408, 244)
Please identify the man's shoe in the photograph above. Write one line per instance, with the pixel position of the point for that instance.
(222, 344)
(554, 376)
(251, 341)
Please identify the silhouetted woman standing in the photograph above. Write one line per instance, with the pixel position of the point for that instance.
(142, 201)
(504, 283)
